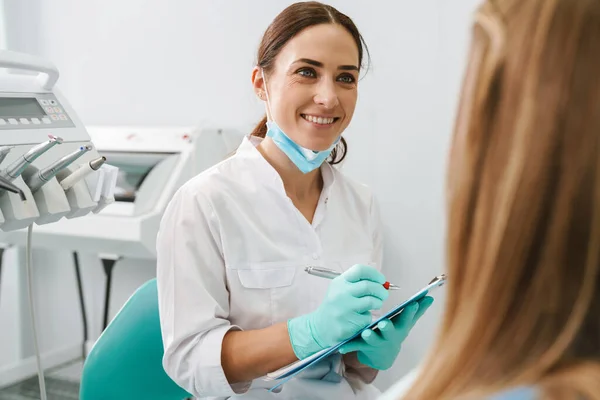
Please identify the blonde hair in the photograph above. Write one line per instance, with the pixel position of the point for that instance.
(523, 192)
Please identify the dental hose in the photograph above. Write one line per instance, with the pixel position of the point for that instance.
(38, 358)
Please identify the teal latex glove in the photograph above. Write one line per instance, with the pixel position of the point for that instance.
(379, 349)
(344, 311)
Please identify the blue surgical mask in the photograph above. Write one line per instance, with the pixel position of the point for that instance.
(304, 159)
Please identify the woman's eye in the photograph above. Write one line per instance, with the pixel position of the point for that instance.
(347, 79)
(307, 73)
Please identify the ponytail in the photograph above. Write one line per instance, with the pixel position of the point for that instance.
(260, 130)
(337, 154)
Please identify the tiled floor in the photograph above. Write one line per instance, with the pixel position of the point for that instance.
(70, 372)
(62, 383)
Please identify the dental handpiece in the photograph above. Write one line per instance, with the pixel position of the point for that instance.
(81, 172)
(41, 177)
(4, 150)
(18, 166)
(5, 184)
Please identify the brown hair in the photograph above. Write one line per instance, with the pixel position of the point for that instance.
(288, 24)
(523, 239)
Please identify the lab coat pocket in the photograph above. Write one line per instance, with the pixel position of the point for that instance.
(254, 278)
(254, 289)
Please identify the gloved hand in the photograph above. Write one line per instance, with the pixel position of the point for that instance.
(344, 311)
(378, 349)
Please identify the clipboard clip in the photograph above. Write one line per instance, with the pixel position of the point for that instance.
(441, 279)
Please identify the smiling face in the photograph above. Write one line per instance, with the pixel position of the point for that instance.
(312, 89)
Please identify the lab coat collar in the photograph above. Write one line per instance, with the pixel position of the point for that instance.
(247, 149)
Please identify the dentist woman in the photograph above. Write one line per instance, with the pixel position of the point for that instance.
(235, 302)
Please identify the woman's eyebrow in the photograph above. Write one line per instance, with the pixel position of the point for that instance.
(321, 65)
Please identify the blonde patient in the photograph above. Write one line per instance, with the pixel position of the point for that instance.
(522, 318)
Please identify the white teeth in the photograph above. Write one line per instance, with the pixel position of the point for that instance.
(319, 120)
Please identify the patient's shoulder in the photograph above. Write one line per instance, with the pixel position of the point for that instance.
(522, 393)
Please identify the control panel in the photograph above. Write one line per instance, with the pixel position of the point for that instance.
(32, 111)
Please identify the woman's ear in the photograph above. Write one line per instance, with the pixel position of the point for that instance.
(258, 83)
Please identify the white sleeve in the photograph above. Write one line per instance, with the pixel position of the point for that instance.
(193, 297)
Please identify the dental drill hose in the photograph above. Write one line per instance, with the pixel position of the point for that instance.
(32, 314)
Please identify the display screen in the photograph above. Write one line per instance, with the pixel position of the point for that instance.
(17, 107)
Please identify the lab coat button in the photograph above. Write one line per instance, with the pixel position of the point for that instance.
(315, 256)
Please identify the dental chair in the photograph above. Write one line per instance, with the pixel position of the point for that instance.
(126, 361)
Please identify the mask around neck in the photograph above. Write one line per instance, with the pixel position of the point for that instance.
(305, 159)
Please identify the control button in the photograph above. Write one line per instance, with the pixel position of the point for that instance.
(46, 120)
(54, 117)
(63, 117)
(49, 110)
(2, 121)
(57, 110)
(24, 121)
(53, 102)
(36, 121)
(44, 102)
(13, 121)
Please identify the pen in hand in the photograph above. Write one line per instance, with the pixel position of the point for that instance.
(331, 274)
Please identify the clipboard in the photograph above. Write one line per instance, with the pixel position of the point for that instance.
(288, 372)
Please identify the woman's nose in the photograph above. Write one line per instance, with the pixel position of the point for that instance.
(327, 96)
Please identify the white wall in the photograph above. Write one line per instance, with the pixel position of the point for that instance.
(165, 62)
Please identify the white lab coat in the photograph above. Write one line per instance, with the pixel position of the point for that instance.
(232, 249)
